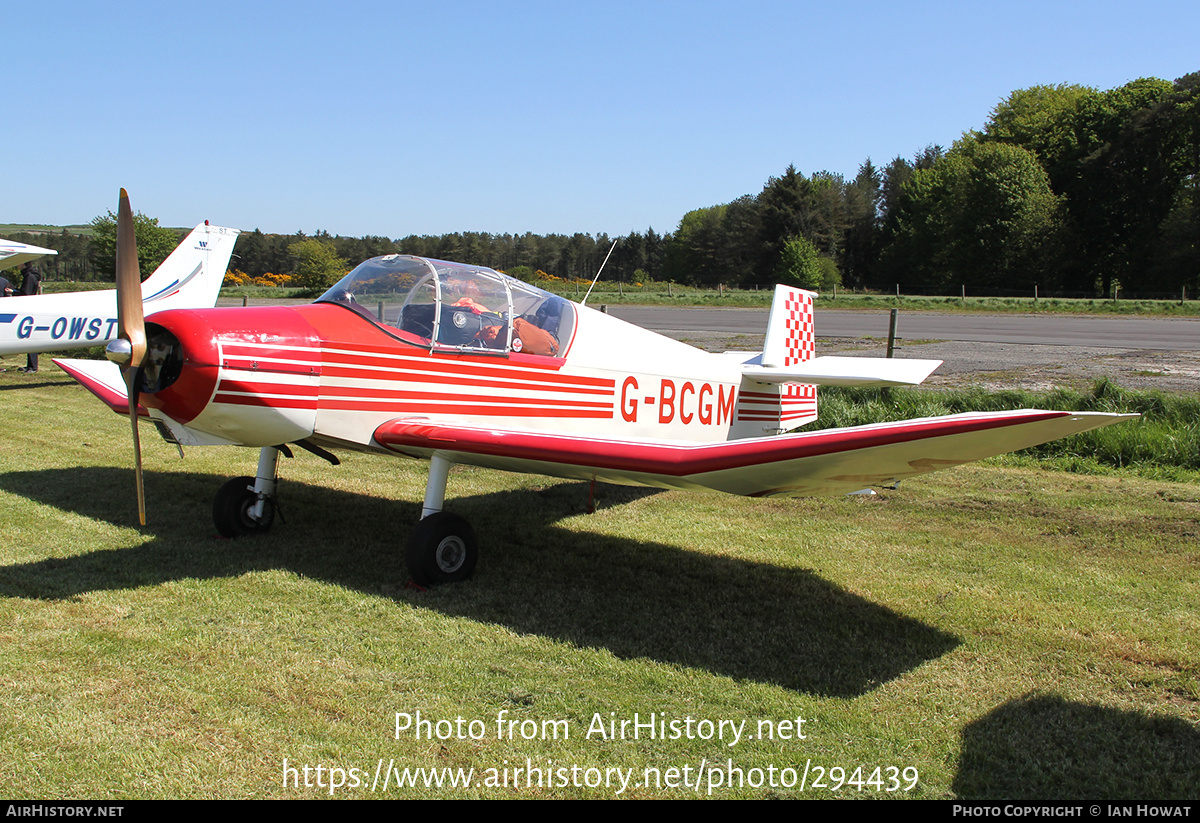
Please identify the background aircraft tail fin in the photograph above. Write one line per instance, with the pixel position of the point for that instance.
(191, 276)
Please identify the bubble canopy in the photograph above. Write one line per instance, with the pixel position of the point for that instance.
(445, 305)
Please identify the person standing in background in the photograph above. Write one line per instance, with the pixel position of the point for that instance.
(31, 283)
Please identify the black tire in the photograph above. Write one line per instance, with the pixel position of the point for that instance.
(442, 549)
(231, 509)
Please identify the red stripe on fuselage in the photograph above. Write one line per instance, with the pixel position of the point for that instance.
(405, 407)
(353, 392)
(464, 365)
(460, 379)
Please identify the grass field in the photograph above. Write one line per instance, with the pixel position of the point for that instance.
(997, 632)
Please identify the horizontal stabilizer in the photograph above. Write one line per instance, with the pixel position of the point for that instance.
(847, 371)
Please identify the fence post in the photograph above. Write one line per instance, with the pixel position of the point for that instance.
(892, 333)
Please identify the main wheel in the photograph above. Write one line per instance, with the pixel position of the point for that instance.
(232, 505)
(442, 549)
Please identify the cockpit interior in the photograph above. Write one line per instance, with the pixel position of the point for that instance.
(455, 306)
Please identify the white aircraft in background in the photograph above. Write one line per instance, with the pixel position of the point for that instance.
(190, 278)
(13, 254)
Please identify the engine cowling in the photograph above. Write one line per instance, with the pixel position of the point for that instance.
(248, 376)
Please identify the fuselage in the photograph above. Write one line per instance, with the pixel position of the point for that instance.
(52, 322)
(277, 374)
(461, 364)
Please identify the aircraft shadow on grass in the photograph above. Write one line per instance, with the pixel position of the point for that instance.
(44, 384)
(1043, 747)
(635, 598)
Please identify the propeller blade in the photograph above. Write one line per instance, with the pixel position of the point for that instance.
(131, 326)
(130, 377)
(130, 320)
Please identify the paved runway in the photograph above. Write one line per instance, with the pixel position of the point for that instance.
(1166, 334)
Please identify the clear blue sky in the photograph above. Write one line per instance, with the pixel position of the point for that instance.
(398, 118)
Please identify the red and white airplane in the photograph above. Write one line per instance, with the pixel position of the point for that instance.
(462, 364)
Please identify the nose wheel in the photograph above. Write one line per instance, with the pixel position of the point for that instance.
(236, 510)
(246, 505)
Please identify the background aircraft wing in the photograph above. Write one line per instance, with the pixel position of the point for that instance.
(829, 462)
(13, 253)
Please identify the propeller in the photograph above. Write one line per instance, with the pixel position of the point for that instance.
(128, 350)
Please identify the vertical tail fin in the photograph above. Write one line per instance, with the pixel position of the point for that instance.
(791, 339)
(790, 335)
(190, 278)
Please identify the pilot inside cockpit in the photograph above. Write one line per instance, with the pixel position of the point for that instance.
(491, 325)
(452, 305)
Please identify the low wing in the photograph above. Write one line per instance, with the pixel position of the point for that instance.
(103, 379)
(830, 462)
(846, 371)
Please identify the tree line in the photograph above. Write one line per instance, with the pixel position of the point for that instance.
(1066, 188)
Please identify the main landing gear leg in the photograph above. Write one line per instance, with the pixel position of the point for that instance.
(442, 547)
(246, 505)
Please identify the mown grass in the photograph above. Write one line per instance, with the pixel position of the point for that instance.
(83, 229)
(1008, 632)
(60, 286)
(1163, 444)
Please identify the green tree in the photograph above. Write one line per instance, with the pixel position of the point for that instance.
(800, 264)
(695, 253)
(863, 236)
(830, 276)
(317, 265)
(786, 211)
(1044, 119)
(981, 216)
(154, 244)
(1117, 158)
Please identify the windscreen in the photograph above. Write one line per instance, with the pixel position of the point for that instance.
(455, 306)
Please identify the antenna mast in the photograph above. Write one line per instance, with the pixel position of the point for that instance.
(597, 277)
